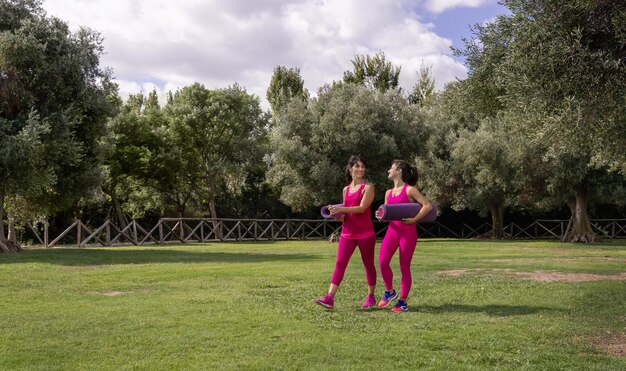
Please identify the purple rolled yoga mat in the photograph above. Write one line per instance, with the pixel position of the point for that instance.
(326, 213)
(407, 210)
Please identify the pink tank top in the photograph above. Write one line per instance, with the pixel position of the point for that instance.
(401, 198)
(356, 226)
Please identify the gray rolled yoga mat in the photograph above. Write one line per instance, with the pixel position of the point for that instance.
(406, 210)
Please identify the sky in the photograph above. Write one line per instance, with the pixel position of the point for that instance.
(166, 45)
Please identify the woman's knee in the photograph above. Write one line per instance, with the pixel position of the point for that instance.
(341, 264)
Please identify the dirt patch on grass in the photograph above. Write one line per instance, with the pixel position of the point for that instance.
(115, 293)
(538, 276)
(473, 271)
(535, 260)
(556, 276)
(455, 272)
(617, 349)
(614, 344)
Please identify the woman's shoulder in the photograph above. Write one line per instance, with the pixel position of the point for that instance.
(412, 190)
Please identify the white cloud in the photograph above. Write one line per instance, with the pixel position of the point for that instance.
(167, 45)
(438, 6)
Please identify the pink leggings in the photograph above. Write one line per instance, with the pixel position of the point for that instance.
(406, 239)
(346, 248)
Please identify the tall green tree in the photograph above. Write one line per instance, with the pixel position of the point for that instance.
(488, 172)
(468, 162)
(553, 70)
(564, 80)
(219, 131)
(374, 72)
(437, 178)
(424, 87)
(285, 85)
(311, 141)
(53, 95)
(140, 162)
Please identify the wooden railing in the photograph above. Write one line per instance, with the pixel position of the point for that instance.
(186, 230)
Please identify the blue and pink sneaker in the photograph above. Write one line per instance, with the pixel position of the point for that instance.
(327, 301)
(387, 297)
(400, 306)
(369, 302)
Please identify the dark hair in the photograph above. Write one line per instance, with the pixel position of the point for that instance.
(409, 173)
(351, 162)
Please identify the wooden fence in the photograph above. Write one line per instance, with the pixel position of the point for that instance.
(185, 230)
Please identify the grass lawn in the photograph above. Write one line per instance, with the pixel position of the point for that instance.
(474, 305)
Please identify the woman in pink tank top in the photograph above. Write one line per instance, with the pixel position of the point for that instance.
(357, 230)
(401, 234)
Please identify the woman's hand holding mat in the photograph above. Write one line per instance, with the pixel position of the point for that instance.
(327, 213)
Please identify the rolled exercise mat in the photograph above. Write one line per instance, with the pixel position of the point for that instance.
(407, 210)
(326, 212)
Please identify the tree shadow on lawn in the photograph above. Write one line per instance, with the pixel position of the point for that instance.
(490, 309)
(95, 257)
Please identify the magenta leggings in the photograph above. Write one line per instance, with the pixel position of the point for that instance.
(346, 248)
(406, 239)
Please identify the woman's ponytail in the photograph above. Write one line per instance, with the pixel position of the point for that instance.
(409, 173)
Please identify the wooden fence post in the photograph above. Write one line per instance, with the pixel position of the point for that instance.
(107, 237)
(45, 234)
(78, 224)
(135, 238)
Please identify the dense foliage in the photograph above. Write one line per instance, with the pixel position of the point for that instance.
(538, 125)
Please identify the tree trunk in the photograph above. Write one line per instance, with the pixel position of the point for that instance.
(497, 221)
(212, 209)
(211, 197)
(118, 212)
(12, 237)
(581, 226)
(5, 244)
(121, 219)
(3, 240)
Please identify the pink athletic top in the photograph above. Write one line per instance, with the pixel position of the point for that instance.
(356, 226)
(401, 198)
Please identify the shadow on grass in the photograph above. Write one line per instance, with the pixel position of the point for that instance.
(490, 309)
(95, 257)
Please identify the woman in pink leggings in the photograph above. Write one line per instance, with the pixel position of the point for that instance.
(401, 233)
(357, 230)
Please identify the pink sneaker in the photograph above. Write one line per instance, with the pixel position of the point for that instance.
(369, 302)
(327, 301)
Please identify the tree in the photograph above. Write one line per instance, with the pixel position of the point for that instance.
(140, 160)
(218, 130)
(483, 158)
(468, 162)
(423, 88)
(374, 72)
(564, 80)
(555, 72)
(23, 169)
(285, 85)
(311, 141)
(437, 178)
(54, 102)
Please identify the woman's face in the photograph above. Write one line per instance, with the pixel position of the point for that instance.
(357, 170)
(393, 171)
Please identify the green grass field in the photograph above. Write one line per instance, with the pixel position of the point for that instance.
(474, 305)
